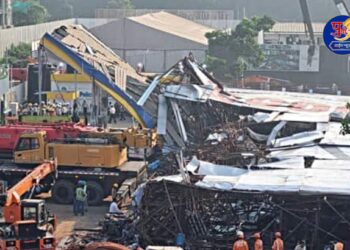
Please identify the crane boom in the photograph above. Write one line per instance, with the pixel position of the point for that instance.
(13, 196)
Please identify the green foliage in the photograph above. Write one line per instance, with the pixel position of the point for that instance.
(232, 52)
(17, 56)
(345, 124)
(119, 4)
(30, 12)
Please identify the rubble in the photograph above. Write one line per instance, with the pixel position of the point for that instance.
(209, 217)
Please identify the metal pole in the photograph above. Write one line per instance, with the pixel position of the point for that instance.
(40, 72)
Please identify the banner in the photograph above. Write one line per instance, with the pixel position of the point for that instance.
(280, 57)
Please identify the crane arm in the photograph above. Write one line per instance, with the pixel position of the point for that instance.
(32, 179)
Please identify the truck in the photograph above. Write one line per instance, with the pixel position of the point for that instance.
(100, 160)
(27, 223)
(10, 133)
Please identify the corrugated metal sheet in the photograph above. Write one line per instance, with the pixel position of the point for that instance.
(174, 25)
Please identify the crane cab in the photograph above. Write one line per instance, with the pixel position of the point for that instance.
(30, 148)
(33, 231)
(36, 210)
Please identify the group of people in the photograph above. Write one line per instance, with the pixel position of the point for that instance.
(278, 244)
(46, 108)
(116, 111)
(242, 244)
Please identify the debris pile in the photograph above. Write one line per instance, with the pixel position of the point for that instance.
(226, 144)
(210, 217)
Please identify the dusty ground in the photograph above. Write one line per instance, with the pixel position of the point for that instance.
(67, 222)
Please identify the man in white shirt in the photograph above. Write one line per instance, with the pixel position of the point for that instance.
(114, 208)
(112, 114)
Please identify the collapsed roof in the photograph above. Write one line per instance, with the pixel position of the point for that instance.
(93, 50)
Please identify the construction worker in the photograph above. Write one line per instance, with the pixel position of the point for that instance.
(240, 244)
(338, 246)
(80, 199)
(258, 244)
(278, 243)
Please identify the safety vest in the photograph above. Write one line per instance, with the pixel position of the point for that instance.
(80, 194)
(240, 245)
(278, 244)
(258, 245)
(339, 246)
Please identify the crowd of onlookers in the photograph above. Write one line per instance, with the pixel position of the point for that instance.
(115, 111)
(46, 108)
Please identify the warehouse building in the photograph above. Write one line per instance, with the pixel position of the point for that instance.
(157, 40)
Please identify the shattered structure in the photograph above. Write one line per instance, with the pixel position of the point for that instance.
(267, 160)
(210, 217)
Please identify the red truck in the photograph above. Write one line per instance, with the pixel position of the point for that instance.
(10, 133)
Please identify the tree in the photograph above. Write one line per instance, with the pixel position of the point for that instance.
(17, 56)
(119, 4)
(232, 52)
(29, 12)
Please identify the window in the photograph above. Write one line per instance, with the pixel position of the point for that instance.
(29, 213)
(34, 143)
(24, 144)
(27, 144)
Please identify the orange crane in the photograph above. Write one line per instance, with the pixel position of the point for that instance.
(27, 224)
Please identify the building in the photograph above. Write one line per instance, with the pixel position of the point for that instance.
(287, 49)
(157, 40)
(293, 33)
(216, 19)
(5, 13)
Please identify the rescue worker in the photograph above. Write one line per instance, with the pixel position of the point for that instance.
(278, 243)
(240, 244)
(114, 191)
(80, 198)
(258, 244)
(338, 246)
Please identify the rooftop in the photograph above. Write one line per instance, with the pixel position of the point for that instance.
(174, 25)
(296, 28)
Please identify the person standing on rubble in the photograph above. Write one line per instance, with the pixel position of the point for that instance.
(278, 244)
(241, 243)
(258, 244)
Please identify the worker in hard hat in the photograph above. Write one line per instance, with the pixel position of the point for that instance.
(258, 244)
(338, 246)
(240, 243)
(278, 244)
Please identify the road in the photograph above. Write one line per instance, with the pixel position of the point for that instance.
(67, 222)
